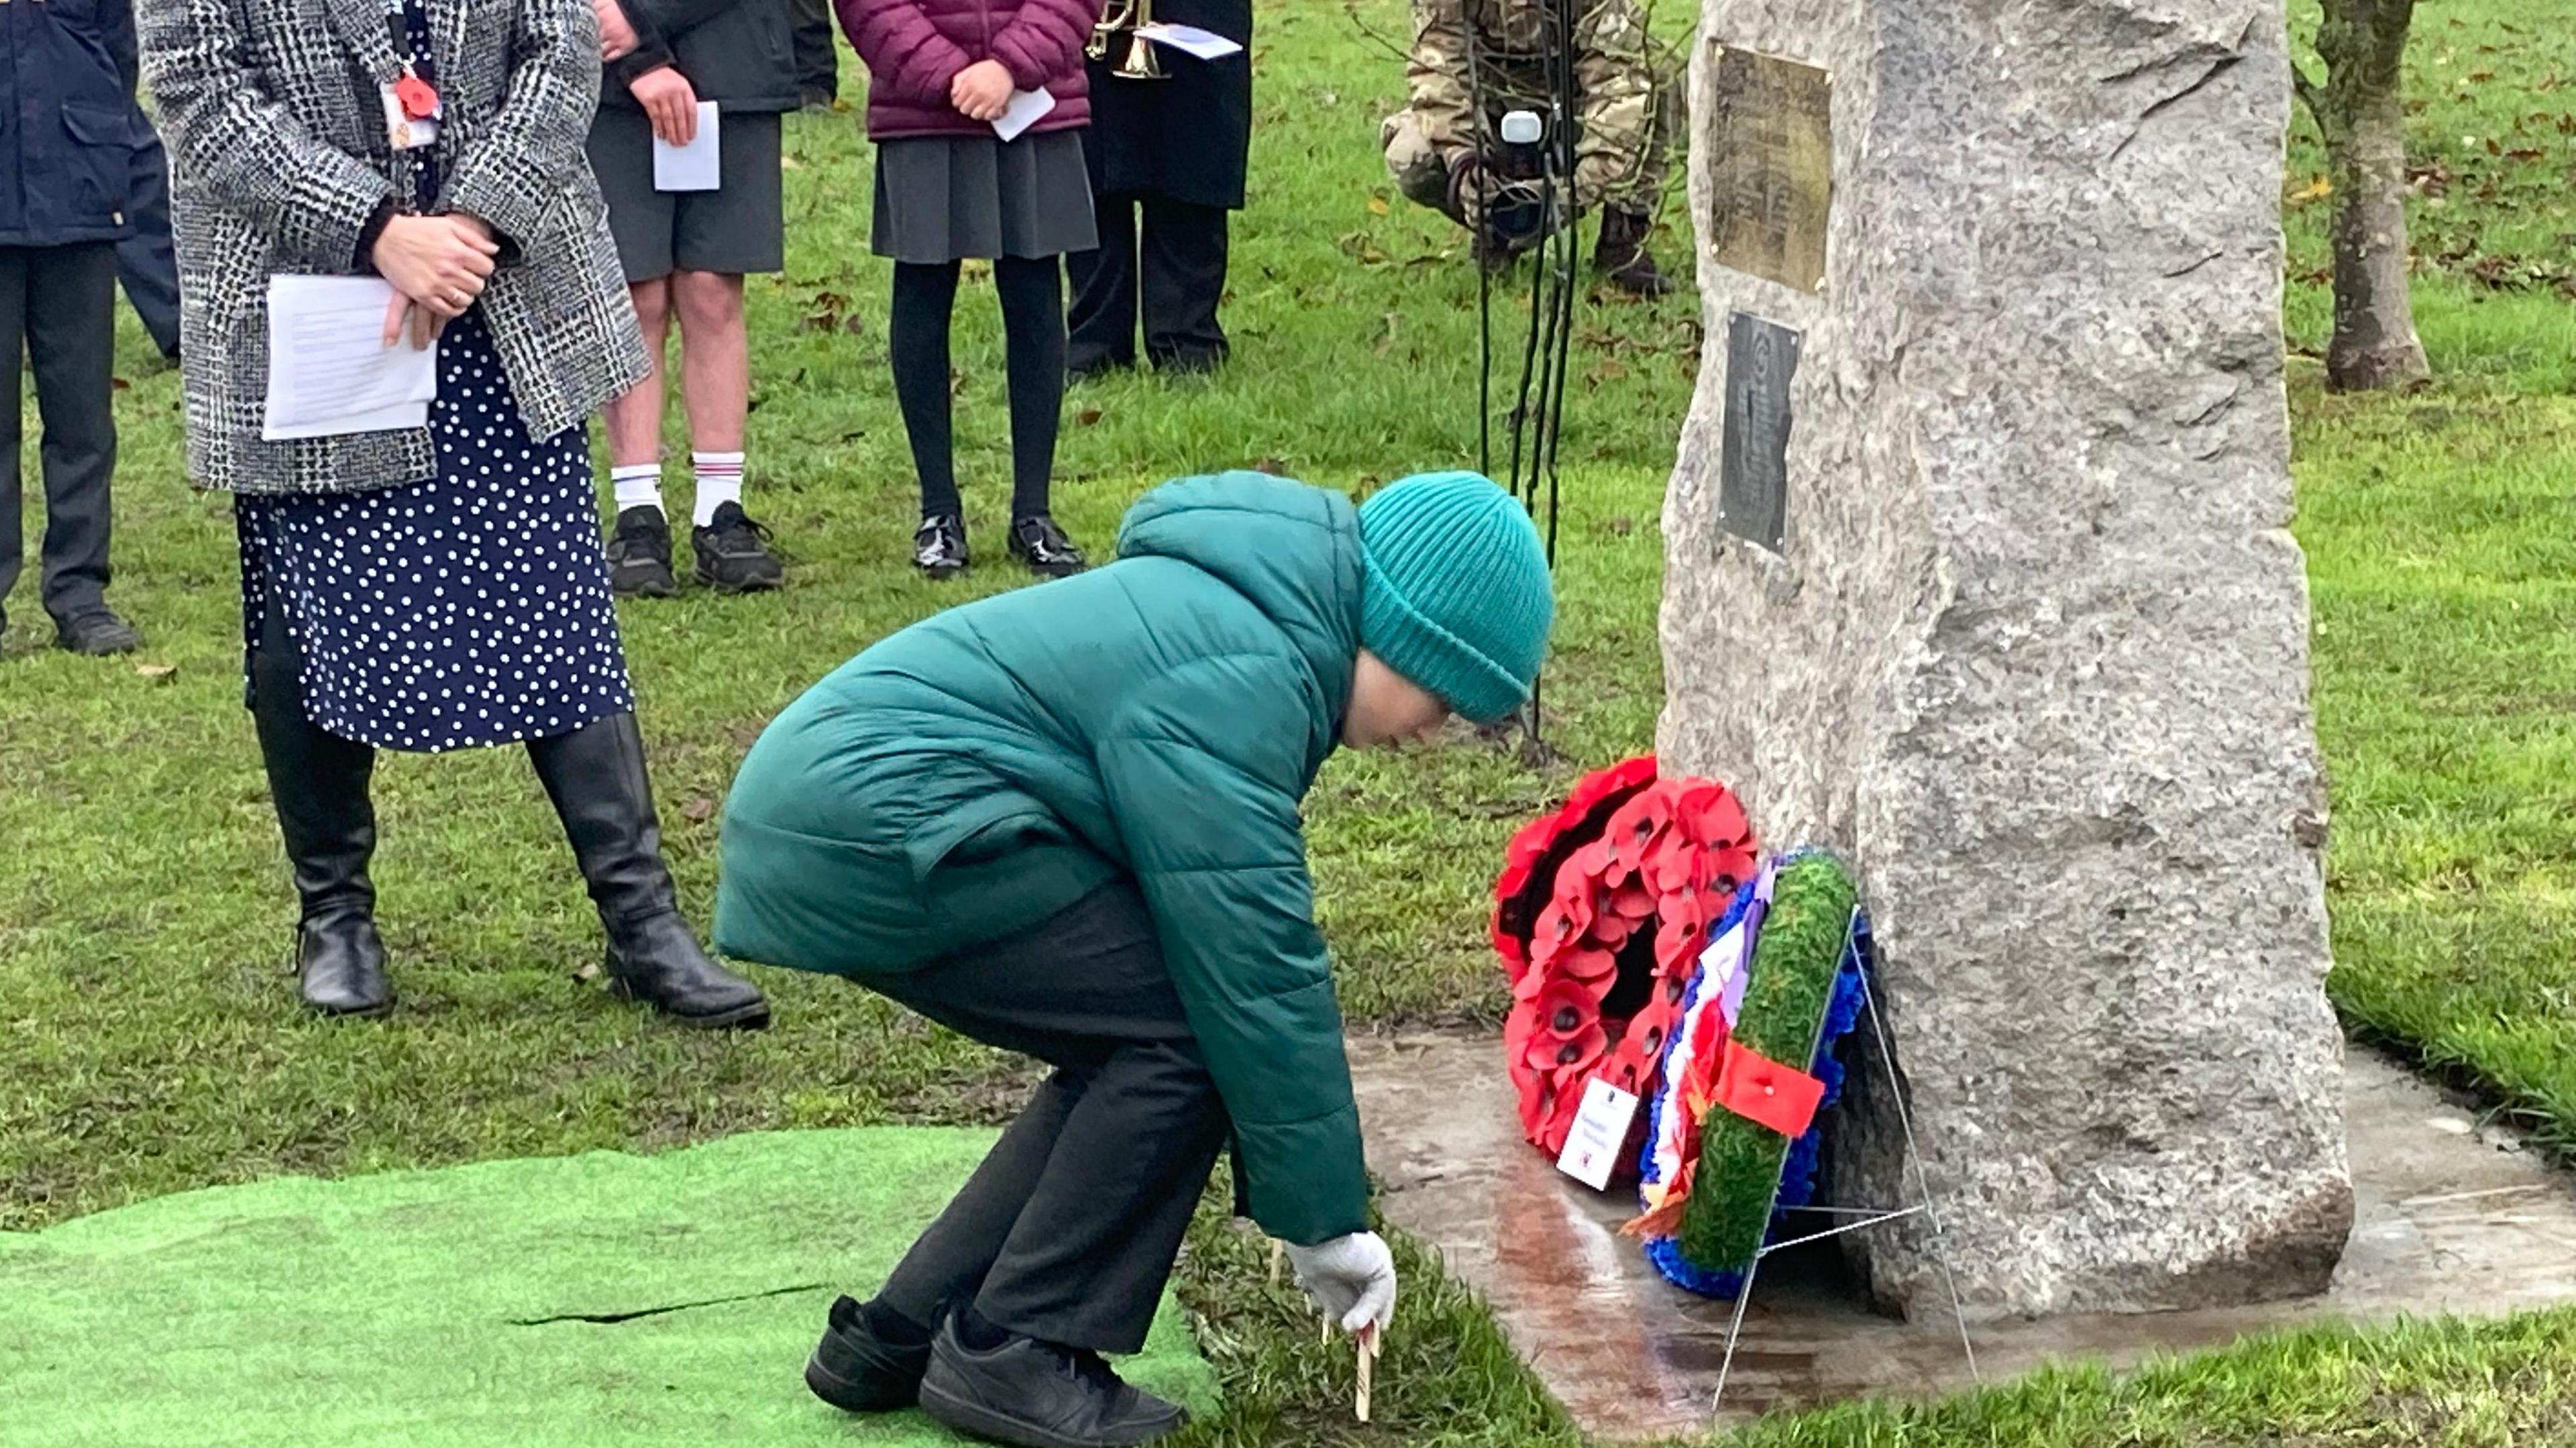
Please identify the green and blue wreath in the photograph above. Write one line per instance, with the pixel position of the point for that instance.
(1734, 1127)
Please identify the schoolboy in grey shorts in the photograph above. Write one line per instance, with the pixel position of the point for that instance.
(686, 254)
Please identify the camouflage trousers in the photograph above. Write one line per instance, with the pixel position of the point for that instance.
(1422, 174)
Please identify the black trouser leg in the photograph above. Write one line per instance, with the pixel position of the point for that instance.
(1032, 292)
(13, 351)
(1102, 322)
(145, 261)
(320, 784)
(596, 777)
(917, 344)
(69, 299)
(818, 76)
(946, 1268)
(1182, 270)
(1068, 1231)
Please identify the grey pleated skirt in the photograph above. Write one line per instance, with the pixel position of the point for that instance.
(943, 198)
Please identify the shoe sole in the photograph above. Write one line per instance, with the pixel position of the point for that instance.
(847, 1396)
(750, 1017)
(955, 1412)
(369, 1013)
(644, 590)
(756, 585)
(1050, 570)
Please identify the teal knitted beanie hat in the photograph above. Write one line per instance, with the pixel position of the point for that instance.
(1457, 597)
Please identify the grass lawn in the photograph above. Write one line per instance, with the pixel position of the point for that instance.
(147, 1023)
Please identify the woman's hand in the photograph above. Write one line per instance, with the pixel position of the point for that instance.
(670, 102)
(982, 91)
(617, 37)
(438, 265)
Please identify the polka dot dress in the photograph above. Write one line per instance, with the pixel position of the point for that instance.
(470, 609)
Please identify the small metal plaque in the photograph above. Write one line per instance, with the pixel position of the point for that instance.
(1753, 456)
(1770, 148)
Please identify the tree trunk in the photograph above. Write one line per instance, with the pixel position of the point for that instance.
(2361, 111)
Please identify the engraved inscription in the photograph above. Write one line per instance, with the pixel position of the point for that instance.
(1753, 457)
(1770, 147)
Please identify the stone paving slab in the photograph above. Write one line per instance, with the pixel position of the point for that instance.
(2454, 1217)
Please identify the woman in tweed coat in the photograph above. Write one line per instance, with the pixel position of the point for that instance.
(436, 587)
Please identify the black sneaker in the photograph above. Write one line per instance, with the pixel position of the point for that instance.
(96, 633)
(1037, 1395)
(858, 1372)
(734, 554)
(639, 555)
(1039, 543)
(939, 546)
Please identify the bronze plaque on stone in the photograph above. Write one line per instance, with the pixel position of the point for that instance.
(1753, 453)
(1770, 142)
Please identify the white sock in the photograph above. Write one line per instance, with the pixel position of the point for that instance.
(639, 485)
(719, 481)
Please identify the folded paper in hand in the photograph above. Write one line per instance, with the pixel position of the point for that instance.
(1190, 40)
(329, 370)
(697, 166)
(1022, 113)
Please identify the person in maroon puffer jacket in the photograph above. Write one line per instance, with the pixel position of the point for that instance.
(941, 72)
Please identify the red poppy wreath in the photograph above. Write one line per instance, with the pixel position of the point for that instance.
(1600, 915)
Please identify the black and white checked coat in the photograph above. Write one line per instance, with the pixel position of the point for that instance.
(279, 156)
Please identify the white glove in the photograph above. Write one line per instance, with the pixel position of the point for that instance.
(1351, 1278)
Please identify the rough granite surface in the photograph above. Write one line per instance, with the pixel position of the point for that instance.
(2034, 654)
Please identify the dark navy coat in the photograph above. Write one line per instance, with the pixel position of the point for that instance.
(67, 121)
(1185, 138)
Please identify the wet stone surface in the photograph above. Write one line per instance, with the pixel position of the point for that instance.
(2453, 1217)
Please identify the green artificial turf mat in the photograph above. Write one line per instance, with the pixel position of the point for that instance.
(440, 1308)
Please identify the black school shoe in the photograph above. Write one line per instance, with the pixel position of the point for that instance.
(639, 555)
(939, 546)
(1032, 1394)
(858, 1372)
(734, 554)
(1039, 543)
(96, 633)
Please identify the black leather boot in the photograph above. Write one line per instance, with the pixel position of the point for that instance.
(595, 776)
(319, 782)
(1621, 256)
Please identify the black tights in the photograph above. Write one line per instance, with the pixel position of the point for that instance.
(1032, 290)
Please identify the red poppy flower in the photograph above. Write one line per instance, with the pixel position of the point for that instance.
(1712, 815)
(1722, 871)
(1628, 1067)
(1593, 969)
(1538, 1103)
(1633, 901)
(1565, 1007)
(1633, 832)
(1612, 930)
(1560, 1124)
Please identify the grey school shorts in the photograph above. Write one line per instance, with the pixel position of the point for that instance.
(738, 228)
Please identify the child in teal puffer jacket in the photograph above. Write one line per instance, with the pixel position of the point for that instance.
(1065, 821)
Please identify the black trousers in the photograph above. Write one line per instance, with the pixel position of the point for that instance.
(58, 309)
(145, 260)
(1068, 1231)
(1170, 272)
(818, 64)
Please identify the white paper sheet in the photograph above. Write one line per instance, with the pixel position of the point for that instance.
(697, 166)
(1022, 113)
(1190, 40)
(329, 370)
